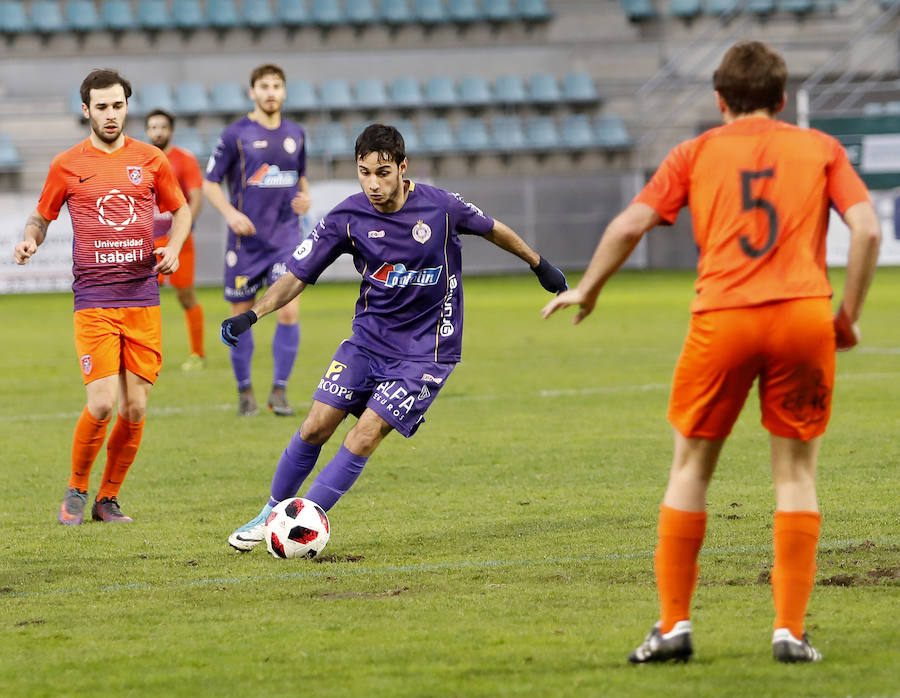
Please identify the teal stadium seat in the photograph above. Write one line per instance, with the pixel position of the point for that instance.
(13, 19)
(507, 133)
(293, 13)
(578, 87)
(327, 14)
(440, 92)
(361, 13)
(222, 14)
(760, 7)
(330, 140)
(474, 91)
(335, 94)
(472, 136)
(577, 133)
(541, 134)
(396, 13)
(796, 6)
(406, 93)
(370, 93)
(638, 10)
(188, 15)
(498, 10)
(534, 10)
(892, 108)
(411, 137)
(117, 16)
(438, 136)
(229, 98)
(510, 90)
(154, 15)
(430, 12)
(685, 9)
(543, 88)
(156, 95)
(464, 11)
(82, 16)
(47, 18)
(301, 96)
(189, 139)
(610, 132)
(720, 7)
(10, 160)
(192, 98)
(257, 14)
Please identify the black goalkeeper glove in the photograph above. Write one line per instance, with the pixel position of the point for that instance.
(235, 326)
(551, 278)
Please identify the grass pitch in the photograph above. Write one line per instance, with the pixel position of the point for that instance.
(506, 550)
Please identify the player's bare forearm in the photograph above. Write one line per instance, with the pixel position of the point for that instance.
(34, 235)
(278, 294)
(195, 201)
(181, 227)
(865, 242)
(508, 239)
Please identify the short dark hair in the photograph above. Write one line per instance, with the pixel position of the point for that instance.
(266, 69)
(384, 140)
(101, 78)
(751, 76)
(160, 112)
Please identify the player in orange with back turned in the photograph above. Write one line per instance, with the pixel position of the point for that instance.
(759, 192)
(110, 183)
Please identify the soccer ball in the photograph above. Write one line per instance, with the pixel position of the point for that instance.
(297, 527)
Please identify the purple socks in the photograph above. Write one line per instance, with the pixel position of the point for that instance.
(336, 478)
(240, 360)
(285, 343)
(297, 461)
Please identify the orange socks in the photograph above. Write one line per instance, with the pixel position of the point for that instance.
(796, 537)
(193, 317)
(89, 435)
(120, 453)
(680, 538)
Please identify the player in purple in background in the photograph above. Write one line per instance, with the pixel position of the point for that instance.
(404, 238)
(263, 159)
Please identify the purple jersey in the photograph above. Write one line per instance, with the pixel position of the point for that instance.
(411, 301)
(263, 168)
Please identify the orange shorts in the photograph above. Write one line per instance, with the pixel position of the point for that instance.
(109, 339)
(789, 346)
(184, 277)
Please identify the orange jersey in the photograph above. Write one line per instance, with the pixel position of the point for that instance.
(759, 191)
(110, 197)
(189, 177)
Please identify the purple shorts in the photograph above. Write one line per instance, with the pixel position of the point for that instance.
(245, 274)
(399, 391)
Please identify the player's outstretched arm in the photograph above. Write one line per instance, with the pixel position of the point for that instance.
(619, 239)
(865, 241)
(504, 237)
(237, 221)
(35, 232)
(278, 294)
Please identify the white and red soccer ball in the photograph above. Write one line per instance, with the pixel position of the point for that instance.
(297, 527)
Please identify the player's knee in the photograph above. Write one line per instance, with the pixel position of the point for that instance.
(101, 408)
(315, 432)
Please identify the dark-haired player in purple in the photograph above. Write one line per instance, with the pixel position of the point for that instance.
(263, 157)
(404, 238)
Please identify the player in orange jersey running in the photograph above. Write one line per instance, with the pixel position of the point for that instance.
(160, 125)
(759, 192)
(110, 184)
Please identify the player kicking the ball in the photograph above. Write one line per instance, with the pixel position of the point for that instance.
(759, 192)
(407, 331)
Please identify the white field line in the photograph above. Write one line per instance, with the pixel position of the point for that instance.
(545, 394)
(311, 570)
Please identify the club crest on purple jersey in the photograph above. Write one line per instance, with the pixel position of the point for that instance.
(421, 232)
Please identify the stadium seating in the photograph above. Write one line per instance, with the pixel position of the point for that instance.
(541, 134)
(507, 134)
(437, 135)
(222, 14)
(82, 16)
(327, 14)
(638, 10)
(154, 15)
(577, 133)
(796, 6)
(440, 91)
(718, 7)
(543, 88)
(760, 7)
(154, 96)
(13, 19)
(410, 134)
(464, 11)
(257, 14)
(189, 139)
(406, 93)
(117, 16)
(329, 139)
(610, 132)
(498, 10)
(293, 13)
(361, 12)
(10, 160)
(188, 15)
(396, 12)
(335, 94)
(510, 90)
(430, 12)
(47, 18)
(578, 87)
(534, 10)
(475, 91)
(370, 93)
(685, 8)
(301, 96)
(191, 98)
(229, 98)
(472, 136)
